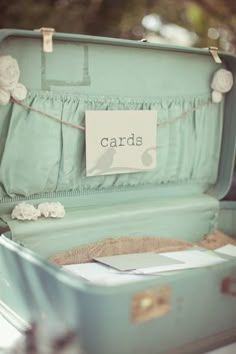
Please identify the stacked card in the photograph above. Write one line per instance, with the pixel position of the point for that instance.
(134, 267)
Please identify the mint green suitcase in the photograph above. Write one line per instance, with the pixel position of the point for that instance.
(43, 160)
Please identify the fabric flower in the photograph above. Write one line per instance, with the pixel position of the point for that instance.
(4, 97)
(216, 96)
(9, 77)
(222, 82)
(9, 72)
(52, 210)
(19, 92)
(25, 211)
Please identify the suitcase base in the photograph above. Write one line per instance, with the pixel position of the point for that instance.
(208, 343)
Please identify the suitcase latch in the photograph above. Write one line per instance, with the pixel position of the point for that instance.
(150, 304)
(228, 286)
(215, 55)
(47, 33)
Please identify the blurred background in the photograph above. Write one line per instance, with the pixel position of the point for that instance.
(200, 23)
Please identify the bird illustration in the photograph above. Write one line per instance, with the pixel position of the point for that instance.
(147, 158)
(105, 161)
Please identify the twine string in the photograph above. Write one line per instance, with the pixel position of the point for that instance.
(77, 126)
(47, 115)
(185, 114)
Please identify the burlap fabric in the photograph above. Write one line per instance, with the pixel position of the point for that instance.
(215, 240)
(126, 245)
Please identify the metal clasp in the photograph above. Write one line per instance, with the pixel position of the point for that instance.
(150, 304)
(215, 55)
(228, 286)
(47, 33)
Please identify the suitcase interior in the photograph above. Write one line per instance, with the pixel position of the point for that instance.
(42, 160)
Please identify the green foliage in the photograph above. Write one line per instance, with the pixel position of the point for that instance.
(122, 18)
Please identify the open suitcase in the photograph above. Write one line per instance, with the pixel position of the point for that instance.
(178, 197)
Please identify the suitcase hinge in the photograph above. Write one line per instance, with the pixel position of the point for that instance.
(215, 55)
(47, 33)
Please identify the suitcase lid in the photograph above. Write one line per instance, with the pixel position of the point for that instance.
(43, 159)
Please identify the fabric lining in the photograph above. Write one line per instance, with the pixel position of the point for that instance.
(41, 155)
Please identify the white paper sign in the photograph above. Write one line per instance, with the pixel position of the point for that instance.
(229, 250)
(189, 258)
(100, 274)
(120, 142)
